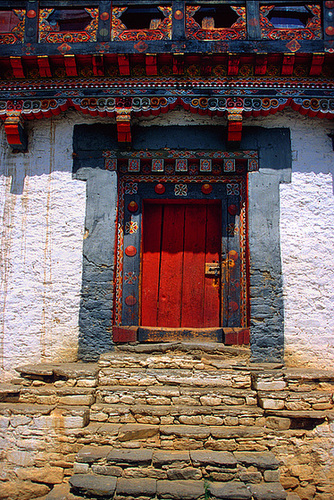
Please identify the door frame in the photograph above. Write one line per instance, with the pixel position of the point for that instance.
(133, 190)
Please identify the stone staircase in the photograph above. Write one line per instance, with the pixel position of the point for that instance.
(166, 421)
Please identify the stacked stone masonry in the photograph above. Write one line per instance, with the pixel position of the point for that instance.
(173, 421)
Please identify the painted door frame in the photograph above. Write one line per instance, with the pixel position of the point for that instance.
(231, 191)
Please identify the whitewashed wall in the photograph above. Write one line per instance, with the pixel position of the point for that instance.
(42, 222)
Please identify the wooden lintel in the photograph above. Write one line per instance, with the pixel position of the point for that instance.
(261, 61)
(98, 67)
(151, 64)
(234, 119)
(123, 64)
(14, 129)
(287, 64)
(44, 66)
(16, 64)
(233, 64)
(316, 64)
(123, 122)
(70, 65)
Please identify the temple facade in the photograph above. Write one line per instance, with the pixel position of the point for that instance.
(167, 178)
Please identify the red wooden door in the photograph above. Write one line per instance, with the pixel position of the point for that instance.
(178, 239)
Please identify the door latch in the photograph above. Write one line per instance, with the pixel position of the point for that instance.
(212, 269)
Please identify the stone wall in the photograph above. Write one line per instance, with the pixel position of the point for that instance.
(42, 211)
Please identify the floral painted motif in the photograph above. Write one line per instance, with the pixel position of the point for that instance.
(232, 189)
(253, 165)
(131, 188)
(232, 229)
(131, 227)
(181, 190)
(130, 278)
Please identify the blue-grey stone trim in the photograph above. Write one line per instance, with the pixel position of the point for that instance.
(266, 291)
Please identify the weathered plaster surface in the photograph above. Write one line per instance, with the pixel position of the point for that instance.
(41, 222)
(307, 241)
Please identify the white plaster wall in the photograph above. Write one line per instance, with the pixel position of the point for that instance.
(41, 228)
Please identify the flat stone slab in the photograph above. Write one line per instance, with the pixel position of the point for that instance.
(161, 457)
(262, 460)
(130, 432)
(123, 456)
(91, 454)
(238, 431)
(186, 431)
(136, 487)
(98, 486)
(230, 491)
(274, 491)
(180, 490)
(220, 458)
(25, 409)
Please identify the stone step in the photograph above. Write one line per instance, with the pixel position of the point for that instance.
(200, 361)
(293, 380)
(297, 401)
(10, 393)
(93, 486)
(82, 374)
(194, 349)
(44, 417)
(178, 437)
(237, 379)
(176, 414)
(249, 467)
(156, 395)
(51, 394)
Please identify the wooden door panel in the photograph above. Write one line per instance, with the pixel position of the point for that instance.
(151, 263)
(171, 266)
(193, 266)
(177, 241)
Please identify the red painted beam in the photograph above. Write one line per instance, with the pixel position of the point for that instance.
(70, 65)
(16, 64)
(316, 64)
(14, 130)
(233, 65)
(123, 122)
(178, 64)
(98, 67)
(234, 120)
(44, 66)
(123, 64)
(261, 62)
(151, 64)
(287, 64)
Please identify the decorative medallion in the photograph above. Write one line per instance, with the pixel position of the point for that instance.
(130, 251)
(159, 188)
(206, 188)
(181, 190)
(233, 209)
(130, 300)
(133, 206)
